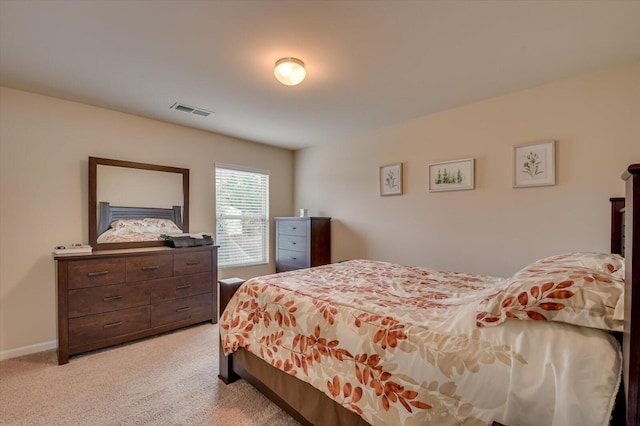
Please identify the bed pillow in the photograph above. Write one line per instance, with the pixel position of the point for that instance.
(602, 262)
(545, 292)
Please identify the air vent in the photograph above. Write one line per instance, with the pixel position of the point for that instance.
(191, 110)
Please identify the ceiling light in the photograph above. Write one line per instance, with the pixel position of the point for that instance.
(290, 71)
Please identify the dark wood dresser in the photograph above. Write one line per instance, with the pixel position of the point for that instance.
(115, 296)
(302, 242)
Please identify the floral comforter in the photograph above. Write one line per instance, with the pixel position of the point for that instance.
(399, 345)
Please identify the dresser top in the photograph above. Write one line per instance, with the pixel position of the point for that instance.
(303, 218)
(132, 251)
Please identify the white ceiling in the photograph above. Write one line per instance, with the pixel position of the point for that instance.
(369, 63)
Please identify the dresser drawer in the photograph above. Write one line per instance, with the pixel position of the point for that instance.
(107, 298)
(292, 227)
(141, 268)
(292, 259)
(189, 309)
(292, 242)
(93, 328)
(191, 263)
(177, 287)
(91, 273)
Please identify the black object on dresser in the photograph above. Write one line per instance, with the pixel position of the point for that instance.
(110, 297)
(302, 242)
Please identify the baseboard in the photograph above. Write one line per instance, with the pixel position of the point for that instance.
(27, 350)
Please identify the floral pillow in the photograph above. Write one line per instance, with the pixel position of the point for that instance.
(547, 292)
(602, 262)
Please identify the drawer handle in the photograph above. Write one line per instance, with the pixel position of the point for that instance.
(293, 228)
(292, 258)
(111, 298)
(188, 308)
(182, 287)
(150, 268)
(113, 324)
(195, 262)
(96, 274)
(292, 243)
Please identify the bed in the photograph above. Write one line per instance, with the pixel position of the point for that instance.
(355, 363)
(135, 224)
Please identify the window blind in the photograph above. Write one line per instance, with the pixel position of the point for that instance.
(242, 217)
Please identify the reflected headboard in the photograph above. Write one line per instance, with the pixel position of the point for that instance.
(109, 214)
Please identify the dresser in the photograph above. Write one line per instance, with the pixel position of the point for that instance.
(115, 296)
(302, 242)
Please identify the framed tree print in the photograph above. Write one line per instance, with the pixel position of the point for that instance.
(451, 175)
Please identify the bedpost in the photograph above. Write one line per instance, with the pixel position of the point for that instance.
(227, 289)
(631, 340)
(617, 220)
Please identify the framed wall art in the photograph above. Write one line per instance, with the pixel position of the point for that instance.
(534, 164)
(391, 179)
(451, 175)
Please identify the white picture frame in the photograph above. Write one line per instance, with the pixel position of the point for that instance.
(534, 164)
(390, 178)
(454, 175)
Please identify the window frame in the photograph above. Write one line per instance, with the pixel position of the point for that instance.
(265, 229)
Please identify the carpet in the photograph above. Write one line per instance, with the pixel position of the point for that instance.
(169, 379)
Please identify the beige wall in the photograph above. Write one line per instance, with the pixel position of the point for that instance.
(493, 229)
(44, 146)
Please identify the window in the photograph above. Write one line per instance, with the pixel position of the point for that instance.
(242, 216)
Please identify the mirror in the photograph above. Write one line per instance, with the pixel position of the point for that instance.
(128, 190)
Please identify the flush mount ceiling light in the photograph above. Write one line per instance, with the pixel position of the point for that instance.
(290, 71)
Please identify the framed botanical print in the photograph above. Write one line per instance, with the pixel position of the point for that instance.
(534, 164)
(391, 179)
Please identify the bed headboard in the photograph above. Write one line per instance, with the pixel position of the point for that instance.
(631, 338)
(109, 213)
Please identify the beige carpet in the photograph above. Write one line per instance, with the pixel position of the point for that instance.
(165, 380)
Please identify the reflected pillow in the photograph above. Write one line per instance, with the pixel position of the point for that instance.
(163, 226)
(129, 225)
(146, 225)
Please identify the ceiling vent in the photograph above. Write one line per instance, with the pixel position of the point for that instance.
(191, 110)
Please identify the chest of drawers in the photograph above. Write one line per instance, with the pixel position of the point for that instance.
(115, 296)
(302, 242)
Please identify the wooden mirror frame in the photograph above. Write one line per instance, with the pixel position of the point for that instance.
(94, 162)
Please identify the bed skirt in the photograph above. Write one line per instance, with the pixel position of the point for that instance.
(293, 394)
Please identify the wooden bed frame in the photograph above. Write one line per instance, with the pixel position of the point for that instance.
(290, 393)
(631, 339)
(109, 214)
